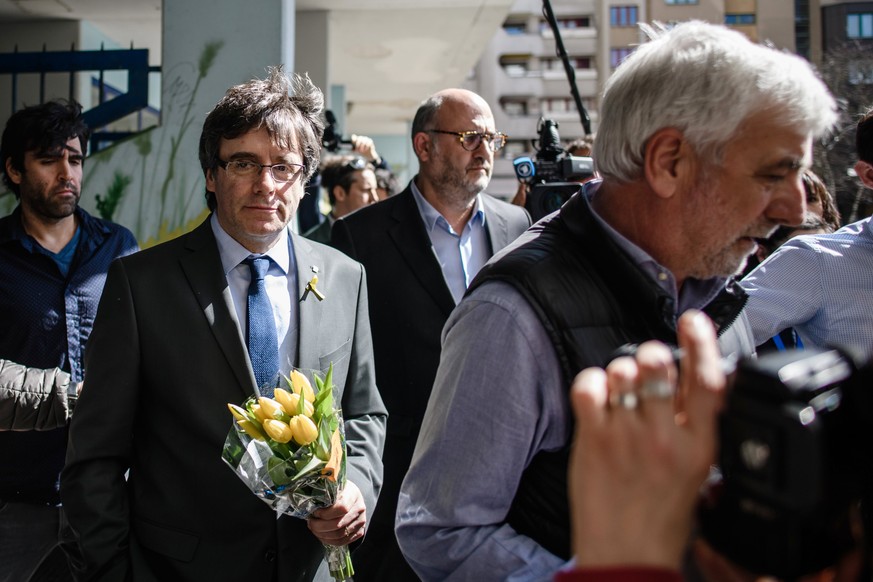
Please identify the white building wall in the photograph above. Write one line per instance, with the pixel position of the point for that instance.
(541, 84)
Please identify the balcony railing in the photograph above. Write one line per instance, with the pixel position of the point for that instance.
(107, 111)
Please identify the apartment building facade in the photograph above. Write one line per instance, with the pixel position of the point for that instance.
(521, 76)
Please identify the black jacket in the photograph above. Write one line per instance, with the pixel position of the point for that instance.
(593, 300)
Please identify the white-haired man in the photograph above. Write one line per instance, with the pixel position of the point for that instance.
(703, 139)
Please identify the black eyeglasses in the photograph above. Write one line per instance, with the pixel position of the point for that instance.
(470, 140)
(281, 173)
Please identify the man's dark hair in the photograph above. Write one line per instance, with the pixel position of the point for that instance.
(342, 172)
(581, 147)
(40, 128)
(288, 106)
(816, 191)
(426, 113)
(386, 180)
(864, 137)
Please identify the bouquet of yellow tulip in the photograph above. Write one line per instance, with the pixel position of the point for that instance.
(290, 451)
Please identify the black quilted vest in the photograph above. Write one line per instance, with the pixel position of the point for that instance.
(592, 301)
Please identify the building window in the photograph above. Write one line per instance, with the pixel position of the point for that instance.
(623, 15)
(514, 106)
(739, 19)
(617, 55)
(550, 105)
(558, 105)
(515, 148)
(578, 63)
(670, 2)
(568, 23)
(515, 65)
(801, 27)
(859, 25)
(514, 27)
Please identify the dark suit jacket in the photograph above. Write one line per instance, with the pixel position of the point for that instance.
(409, 305)
(165, 358)
(319, 233)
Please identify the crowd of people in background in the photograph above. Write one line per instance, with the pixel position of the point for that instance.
(521, 401)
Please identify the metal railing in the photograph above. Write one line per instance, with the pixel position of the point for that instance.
(135, 99)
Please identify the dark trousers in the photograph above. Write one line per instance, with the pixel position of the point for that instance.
(29, 550)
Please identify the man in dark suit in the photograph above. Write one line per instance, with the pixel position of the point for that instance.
(350, 182)
(421, 249)
(168, 353)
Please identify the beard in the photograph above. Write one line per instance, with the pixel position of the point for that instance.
(43, 201)
(728, 261)
(454, 182)
(715, 256)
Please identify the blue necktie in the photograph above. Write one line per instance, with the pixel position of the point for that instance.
(261, 328)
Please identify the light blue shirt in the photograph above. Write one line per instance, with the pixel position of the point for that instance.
(821, 285)
(460, 255)
(695, 293)
(281, 283)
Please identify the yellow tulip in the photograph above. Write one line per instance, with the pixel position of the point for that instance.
(251, 429)
(303, 429)
(291, 402)
(238, 412)
(300, 384)
(271, 408)
(278, 430)
(260, 413)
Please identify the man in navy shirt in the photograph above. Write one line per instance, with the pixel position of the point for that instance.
(53, 262)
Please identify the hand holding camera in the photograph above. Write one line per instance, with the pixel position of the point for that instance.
(789, 448)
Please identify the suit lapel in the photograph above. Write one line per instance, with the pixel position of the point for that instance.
(413, 244)
(495, 224)
(310, 262)
(202, 268)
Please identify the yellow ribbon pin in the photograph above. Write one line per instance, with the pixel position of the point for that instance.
(311, 287)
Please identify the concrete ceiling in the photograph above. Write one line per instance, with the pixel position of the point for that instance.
(389, 54)
(80, 9)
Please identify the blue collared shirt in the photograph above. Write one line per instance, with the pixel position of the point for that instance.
(818, 284)
(281, 282)
(460, 255)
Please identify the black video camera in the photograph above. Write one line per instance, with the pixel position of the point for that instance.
(794, 461)
(554, 175)
(332, 139)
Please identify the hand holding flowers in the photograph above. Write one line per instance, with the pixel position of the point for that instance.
(344, 521)
(290, 452)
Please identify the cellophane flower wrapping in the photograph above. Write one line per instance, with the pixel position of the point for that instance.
(290, 451)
